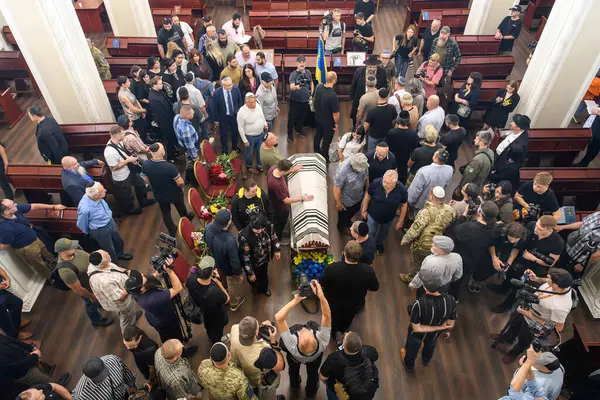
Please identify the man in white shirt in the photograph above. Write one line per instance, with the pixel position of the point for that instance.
(396, 98)
(245, 56)
(517, 136)
(434, 116)
(196, 98)
(235, 28)
(188, 32)
(251, 125)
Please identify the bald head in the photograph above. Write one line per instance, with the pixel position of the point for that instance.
(331, 77)
(68, 162)
(171, 350)
(433, 102)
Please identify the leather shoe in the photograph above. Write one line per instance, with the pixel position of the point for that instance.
(404, 278)
(402, 355)
(189, 351)
(125, 256)
(135, 211)
(148, 202)
(64, 379)
(106, 321)
(25, 335)
(24, 323)
(268, 292)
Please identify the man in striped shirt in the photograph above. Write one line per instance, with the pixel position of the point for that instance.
(104, 378)
(431, 313)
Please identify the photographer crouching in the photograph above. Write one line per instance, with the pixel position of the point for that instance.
(554, 302)
(157, 303)
(305, 343)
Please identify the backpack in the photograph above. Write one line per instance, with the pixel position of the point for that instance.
(55, 279)
(362, 380)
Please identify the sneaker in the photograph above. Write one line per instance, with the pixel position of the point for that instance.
(226, 338)
(125, 256)
(106, 321)
(25, 335)
(380, 250)
(405, 278)
(474, 286)
(64, 379)
(576, 120)
(402, 356)
(290, 139)
(24, 323)
(301, 134)
(268, 292)
(233, 309)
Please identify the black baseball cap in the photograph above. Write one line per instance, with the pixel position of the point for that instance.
(266, 77)
(300, 58)
(166, 20)
(516, 7)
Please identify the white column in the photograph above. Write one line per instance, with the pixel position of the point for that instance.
(565, 61)
(25, 283)
(485, 15)
(130, 18)
(53, 44)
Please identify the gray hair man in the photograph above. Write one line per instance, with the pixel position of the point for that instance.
(94, 217)
(251, 126)
(478, 169)
(350, 184)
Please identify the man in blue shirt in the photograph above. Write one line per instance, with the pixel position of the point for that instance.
(263, 65)
(187, 138)
(75, 178)
(94, 217)
(382, 200)
(17, 232)
(524, 385)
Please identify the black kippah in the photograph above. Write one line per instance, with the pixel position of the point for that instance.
(218, 352)
(95, 258)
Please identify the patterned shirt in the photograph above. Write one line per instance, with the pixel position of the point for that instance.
(202, 40)
(257, 249)
(113, 387)
(225, 383)
(452, 55)
(108, 286)
(134, 144)
(351, 183)
(186, 135)
(590, 230)
(176, 379)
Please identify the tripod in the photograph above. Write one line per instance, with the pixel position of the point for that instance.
(184, 325)
(511, 321)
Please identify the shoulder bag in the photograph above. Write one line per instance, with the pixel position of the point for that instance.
(464, 111)
(135, 168)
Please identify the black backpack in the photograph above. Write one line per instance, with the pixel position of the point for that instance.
(55, 279)
(362, 380)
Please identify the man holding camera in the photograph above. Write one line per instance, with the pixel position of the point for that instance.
(539, 253)
(535, 198)
(363, 34)
(333, 32)
(555, 303)
(305, 344)
(254, 347)
(301, 90)
(523, 385)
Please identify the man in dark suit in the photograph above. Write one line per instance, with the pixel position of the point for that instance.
(517, 136)
(75, 178)
(225, 104)
(162, 109)
(51, 142)
(359, 80)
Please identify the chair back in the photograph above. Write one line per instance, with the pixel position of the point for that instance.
(181, 267)
(185, 229)
(202, 177)
(208, 152)
(195, 201)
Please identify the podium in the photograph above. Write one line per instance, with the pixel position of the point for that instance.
(580, 358)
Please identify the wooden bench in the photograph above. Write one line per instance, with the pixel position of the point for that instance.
(298, 19)
(292, 5)
(10, 110)
(131, 46)
(56, 222)
(9, 37)
(184, 14)
(194, 5)
(560, 144)
(477, 45)
(455, 18)
(538, 34)
(536, 9)
(490, 67)
(122, 65)
(87, 139)
(415, 7)
(14, 68)
(300, 42)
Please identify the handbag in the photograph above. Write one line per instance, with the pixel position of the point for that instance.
(334, 156)
(192, 312)
(463, 111)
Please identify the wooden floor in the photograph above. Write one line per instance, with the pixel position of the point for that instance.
(464, 367)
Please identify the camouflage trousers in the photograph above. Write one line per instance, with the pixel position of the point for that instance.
(416, 259)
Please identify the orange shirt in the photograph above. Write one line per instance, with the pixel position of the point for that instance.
(594, 90)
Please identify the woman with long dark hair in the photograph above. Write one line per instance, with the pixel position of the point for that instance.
(199, 66)
(154, 67)
(250, 81)
(505, 102)
(405, 46)
(466, 98)
(131, 106)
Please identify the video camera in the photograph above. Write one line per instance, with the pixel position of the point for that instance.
(304, 288)
(158, 260)
(532, 213)
(420, 74)
(327, 17)
(526, 292)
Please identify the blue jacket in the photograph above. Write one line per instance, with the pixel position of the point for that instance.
(224, 249)
(74, 184)
(218, 107)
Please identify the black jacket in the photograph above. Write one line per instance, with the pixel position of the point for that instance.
(247, 241)
(162, 109)
(15, 357)
(243, 208)
(522, 141)
(472, 240)
(50, 140)
(224, 249)
(358, 86)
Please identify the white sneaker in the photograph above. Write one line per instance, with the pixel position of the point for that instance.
(226, 338)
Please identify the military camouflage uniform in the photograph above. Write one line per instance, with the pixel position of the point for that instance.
(432, 220)
(225, 384)
(101, 64)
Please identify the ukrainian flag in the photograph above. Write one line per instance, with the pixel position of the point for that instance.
(321, 71)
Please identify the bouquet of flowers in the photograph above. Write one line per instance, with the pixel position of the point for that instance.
(200, 246)
(312, 264)
(213, 206)
(221, 171)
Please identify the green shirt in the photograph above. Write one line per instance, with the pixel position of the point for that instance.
(80, 262)
(269, 157)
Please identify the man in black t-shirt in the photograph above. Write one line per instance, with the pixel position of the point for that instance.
(351, 353)
(509, 29)
(431, 313)
(167, 185)
(367, 7)
(402, 141)
(49, 391)
(429, 36)
(327, 114)
(170, 33)
(208, 294)
(453, 138)
(142, 348)
(537, 193)
(363, 33)
(379, 120)
(423, 155)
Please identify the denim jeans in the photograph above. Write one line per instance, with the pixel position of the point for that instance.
(270, 124)
(255, 143)
(382, 234)
(331, 394)
(91, 309)
(203, 131)
(580, 109)
(372, 143)
(401, 66)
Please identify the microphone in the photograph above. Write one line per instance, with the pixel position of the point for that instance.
(517, 282)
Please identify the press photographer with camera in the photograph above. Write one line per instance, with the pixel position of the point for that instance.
(548, 373)
(254, 347)
(539, 252)
(301, 89)
(582, 246)
(333, 30)
(466, 199)
(305, 343)
(363, 33)
(534, 199)
(523, 385)
(552, 309)
(208, 293)
(501, 195)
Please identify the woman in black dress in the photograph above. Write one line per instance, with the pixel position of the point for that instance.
(505, 102)
(199, 66)
(466, 99)
(250, 81)
(172, 78)
(154, 67)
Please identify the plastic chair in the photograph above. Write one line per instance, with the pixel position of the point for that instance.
(196, 202)
(209, 155)
(209, 189)
(185, 229)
